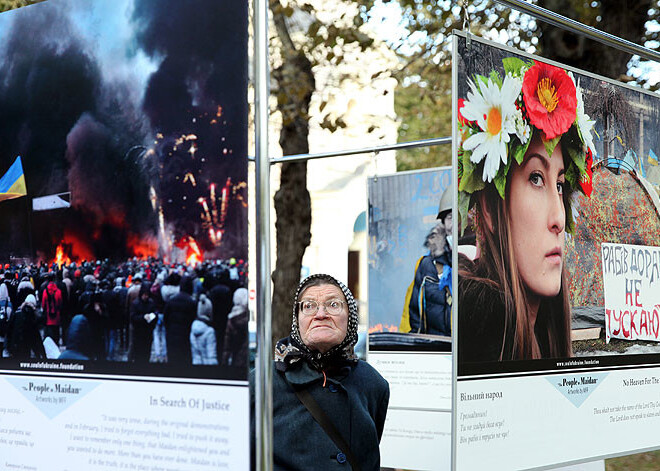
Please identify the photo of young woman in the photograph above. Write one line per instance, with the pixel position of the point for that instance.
(525, 148)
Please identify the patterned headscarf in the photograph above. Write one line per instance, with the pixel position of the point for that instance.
(292, 349)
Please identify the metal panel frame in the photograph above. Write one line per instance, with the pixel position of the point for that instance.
(264, 368)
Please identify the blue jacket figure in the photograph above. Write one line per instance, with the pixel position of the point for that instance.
(428, 303)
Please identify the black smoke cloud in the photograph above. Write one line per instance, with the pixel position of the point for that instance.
(79, 132)
(203, 46)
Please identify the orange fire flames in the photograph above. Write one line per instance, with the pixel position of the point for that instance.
(71, 249)
(60, 258)
(383, 328)
(194, 255)
(143, 247)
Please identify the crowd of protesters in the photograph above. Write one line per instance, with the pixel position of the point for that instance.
(136, 311)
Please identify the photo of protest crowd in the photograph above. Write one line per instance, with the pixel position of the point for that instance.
(138, 311)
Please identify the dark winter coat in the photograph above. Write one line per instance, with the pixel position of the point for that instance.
(221, 297)
(430, 314)
(235, 346)
(180, 312)
(96, 319)
(142, 330)
(355, 398)
(23, 338)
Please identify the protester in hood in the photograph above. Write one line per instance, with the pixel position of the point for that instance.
(79, 345)
(202, 334)
(51, 305)
(25, 287)
(23, 338)
(143, 320)
(170, 288)
(235, 346)
(5, 314)
(316, 363)
(180, 312)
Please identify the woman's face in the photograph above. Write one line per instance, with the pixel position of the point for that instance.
(322, 331)
(537, 218)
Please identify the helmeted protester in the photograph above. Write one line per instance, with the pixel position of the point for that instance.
(428, 303)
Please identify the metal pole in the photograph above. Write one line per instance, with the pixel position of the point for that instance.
(581, 29)
(366, 150)
(264, 366)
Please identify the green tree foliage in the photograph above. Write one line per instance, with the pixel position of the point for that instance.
(304, 39)
(425, 113)
(426, 41)
(6, 5)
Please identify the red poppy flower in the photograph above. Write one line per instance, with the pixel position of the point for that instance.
(461, 118)
(550, 98)
(585, 182)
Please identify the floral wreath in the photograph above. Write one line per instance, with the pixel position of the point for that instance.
(496, 119)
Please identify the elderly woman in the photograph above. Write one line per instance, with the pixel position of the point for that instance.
(318, 380)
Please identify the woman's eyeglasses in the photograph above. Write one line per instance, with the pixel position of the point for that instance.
(332, 307)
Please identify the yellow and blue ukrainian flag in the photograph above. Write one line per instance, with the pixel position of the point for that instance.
(12, 183)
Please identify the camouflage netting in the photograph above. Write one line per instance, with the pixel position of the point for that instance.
(11, 4)
(620, 211)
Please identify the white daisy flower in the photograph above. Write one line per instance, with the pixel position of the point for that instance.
(584, 123)
(523, 130)
(494, 110)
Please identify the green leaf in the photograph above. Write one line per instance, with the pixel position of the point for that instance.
(519, 150)
(570, 223)
(495, 77)
(578, 158)
(500, 179)
(550, 145)
(481, 78)
(513, 65)
(471, 180)
(463, 209)
(572, 176)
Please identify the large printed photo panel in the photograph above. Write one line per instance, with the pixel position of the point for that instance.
(123, 199)
(558, 177)
(410, 276)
